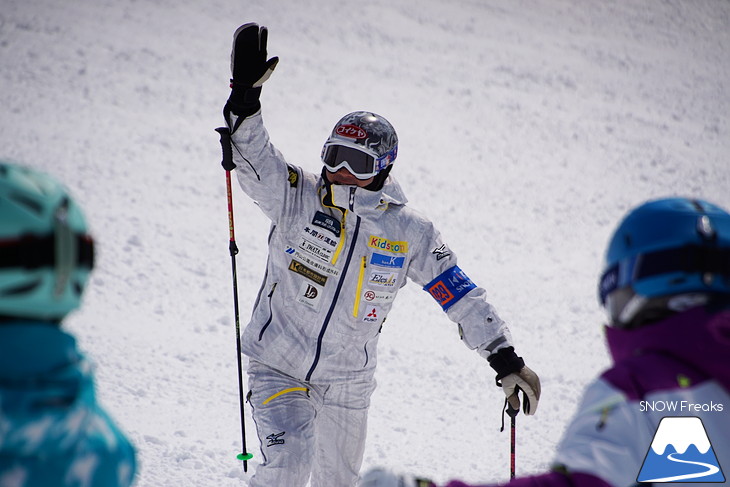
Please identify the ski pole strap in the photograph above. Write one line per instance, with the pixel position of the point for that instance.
(511, 412)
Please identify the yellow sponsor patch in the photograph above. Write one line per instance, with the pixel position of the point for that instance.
(387, 245)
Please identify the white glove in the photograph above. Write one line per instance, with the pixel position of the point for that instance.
(380, 477)
(513, 376)
(527, 381)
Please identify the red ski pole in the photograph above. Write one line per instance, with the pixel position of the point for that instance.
(512, 413)
(233, 249)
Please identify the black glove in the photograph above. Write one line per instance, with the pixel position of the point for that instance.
(249, 69)
(513, 376)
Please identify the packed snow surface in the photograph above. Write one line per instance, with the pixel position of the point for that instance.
(527, 129)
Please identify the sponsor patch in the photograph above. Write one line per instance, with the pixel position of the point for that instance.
(292, 177)
(318, 243)
(275, 439)
(388, 245)
(387, 280)
(305, 271)
(319, 266)
(449, 287)
(372, 314)
(327, 222)
(351, 131)
(372, 296)
(321, 253)
(441, 252)
(390, 261)
(317, 236)
(310, 295)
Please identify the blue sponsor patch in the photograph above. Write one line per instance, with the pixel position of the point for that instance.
(387, 260)
(449, 287)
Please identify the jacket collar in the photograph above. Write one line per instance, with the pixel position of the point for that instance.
(360, 200)
(699, 337)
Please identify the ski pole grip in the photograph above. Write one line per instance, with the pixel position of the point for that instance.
(227, 160)
(512, 412)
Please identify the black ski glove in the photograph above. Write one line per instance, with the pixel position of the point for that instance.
(514, 376)
(249, 69)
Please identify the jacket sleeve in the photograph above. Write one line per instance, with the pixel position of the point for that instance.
(261, 169)
(434, 266)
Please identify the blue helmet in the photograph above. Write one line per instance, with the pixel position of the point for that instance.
(665, 256)
(45, 254)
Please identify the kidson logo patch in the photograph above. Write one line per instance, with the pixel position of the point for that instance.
(680, 452)
(388, 245)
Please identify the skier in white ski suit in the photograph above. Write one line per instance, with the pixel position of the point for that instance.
(660, 412)
(341, 245)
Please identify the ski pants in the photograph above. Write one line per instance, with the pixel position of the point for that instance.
(307, 429)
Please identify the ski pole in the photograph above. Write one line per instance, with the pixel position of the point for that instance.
(512, 413)
(233, 249)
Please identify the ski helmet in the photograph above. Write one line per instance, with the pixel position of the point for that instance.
(45, 254)
(666, 255)
(363, 142)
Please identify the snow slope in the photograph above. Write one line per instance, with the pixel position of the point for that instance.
(527, 129)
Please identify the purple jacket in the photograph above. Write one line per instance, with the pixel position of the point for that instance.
(676, 367)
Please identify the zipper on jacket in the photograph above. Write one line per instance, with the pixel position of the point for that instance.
(333, 305)
(341, 243)
(358, 290)
(352, 198)
(271, 313)
(328, 202)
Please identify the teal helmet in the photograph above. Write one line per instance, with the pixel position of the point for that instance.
(45, 253)
(665, 256)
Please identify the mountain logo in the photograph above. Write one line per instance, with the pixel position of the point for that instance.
(680, 452)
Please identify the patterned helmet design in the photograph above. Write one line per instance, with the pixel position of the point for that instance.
(364, 142)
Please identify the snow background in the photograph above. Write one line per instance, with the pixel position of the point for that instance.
(527, 129)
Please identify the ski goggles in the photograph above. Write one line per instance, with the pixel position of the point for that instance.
(50, 251)
(689, 259)
(362, 164)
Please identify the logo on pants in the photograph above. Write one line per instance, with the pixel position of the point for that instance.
(275, 439)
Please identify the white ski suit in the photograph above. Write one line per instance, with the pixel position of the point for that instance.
(337, 257)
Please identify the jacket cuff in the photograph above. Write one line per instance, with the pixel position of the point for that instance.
(505, 362)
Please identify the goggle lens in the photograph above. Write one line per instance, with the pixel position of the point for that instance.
(358, 162)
